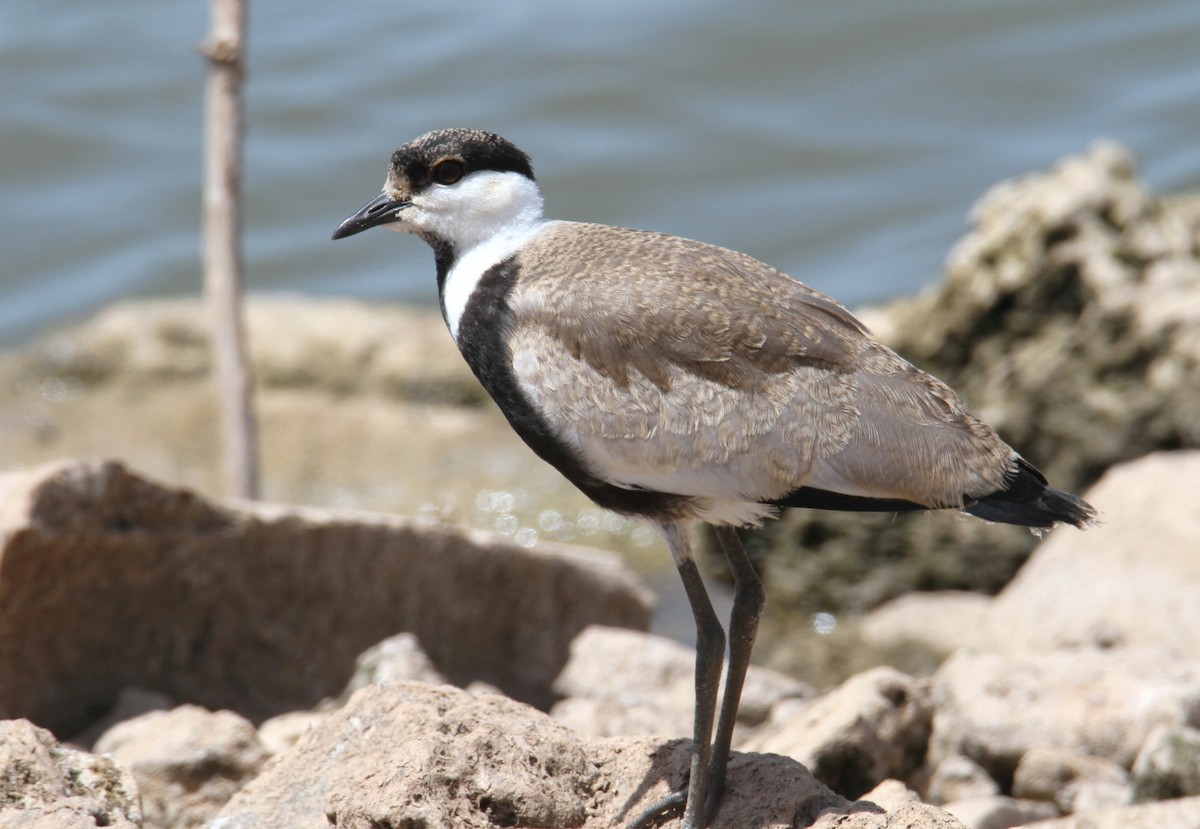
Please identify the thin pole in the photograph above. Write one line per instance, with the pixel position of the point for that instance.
(223, 132)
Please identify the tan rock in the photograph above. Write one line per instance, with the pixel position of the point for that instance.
(891, 794)
(994, 708)
(1169, 814)
(188, 761)
(414, 754)
(1134, 581)
(942, 622)
(960, 778)
(360, 405)
(1073, 782)
(872, 727)
(131, 702)
(623, 682)
(998, 811)
(397, 658)
(45, 785)
(283, 731)
(866, 815)
(262, 609)
(649, 716)
(338, 345)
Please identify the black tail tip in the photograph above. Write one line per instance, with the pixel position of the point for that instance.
(1028, 502)
(1044, 511)
(1066, 508)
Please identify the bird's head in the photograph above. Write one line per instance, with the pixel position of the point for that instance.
(456, 187)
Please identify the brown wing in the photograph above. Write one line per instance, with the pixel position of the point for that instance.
(674, 364)
(667, 301)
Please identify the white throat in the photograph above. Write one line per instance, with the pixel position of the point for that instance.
(486, 217)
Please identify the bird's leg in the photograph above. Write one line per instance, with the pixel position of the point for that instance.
(749, 597)
(710, 656)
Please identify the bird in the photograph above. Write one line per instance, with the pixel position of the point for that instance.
(685, 383)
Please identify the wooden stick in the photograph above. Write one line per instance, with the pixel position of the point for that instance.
(222, 244)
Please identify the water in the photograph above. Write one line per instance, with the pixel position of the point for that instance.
(843, 142)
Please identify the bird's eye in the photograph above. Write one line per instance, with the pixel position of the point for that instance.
(448, 171)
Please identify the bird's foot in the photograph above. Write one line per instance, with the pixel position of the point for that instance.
(668, 808)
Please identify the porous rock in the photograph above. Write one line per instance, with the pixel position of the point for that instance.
(45, 785)
(187, 761)
(261, 609)
(1069, 318)
(994, 708)
(872, 727)
(411, 754)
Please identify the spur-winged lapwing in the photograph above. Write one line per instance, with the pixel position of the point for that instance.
(682, 382)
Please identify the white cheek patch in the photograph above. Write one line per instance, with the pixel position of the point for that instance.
(485, 218)
(480, 206)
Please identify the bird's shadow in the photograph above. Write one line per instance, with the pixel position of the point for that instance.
(761, 790)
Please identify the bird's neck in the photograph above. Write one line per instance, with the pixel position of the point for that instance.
(463, 272)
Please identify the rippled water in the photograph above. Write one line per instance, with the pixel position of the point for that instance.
(843, 142)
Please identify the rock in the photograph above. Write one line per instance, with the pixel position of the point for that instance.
(1168, 765)
(410, 754)
(1135, 581)
(131, 702)
(360, 405)
(623, 682)
(959, 778)
(905, 816)
(940, 622)
(1073, 782)
(45, 785)
(1068, 318)
(338, 345)
(891, 794)
(1169, 814)
(397, 658)
(261, 609)
(619, 684)
(872, 727)
(283, 731)
(994, 708)
(651, 716)
(188, 761)
(999, 812)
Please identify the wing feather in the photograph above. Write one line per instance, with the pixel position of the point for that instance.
(681, 367)
(637, 301)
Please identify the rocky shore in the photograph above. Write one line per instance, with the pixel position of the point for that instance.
(170, 659)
